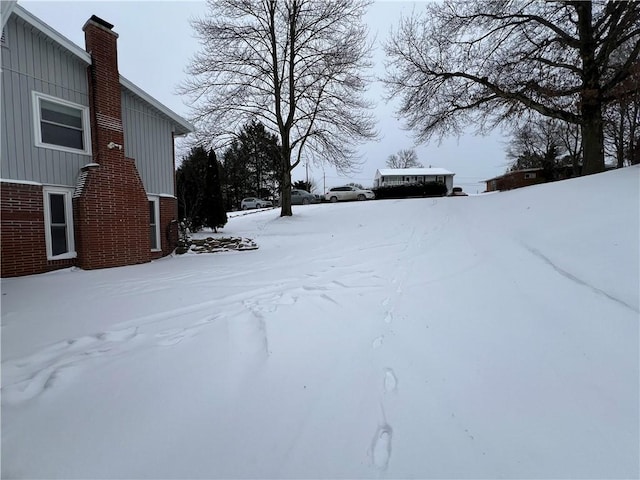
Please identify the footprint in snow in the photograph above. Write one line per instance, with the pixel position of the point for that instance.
(381, 447)
(377, 342)
(390, 380)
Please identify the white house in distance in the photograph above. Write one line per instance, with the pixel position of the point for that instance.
(400, 176)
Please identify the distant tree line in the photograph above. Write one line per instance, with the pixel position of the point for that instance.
(207, 188)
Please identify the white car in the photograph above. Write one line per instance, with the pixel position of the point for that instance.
(253, 202)
(348, 192)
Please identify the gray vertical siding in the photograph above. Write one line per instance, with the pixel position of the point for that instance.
(148, 140)
(32, 62)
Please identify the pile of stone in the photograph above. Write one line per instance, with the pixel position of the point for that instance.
(214, 245)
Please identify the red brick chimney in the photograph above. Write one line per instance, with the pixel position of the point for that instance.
(110, 203)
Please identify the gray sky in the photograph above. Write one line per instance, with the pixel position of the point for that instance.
(156, 42)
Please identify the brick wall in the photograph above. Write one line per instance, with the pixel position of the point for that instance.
(23, 250)
(168, 226)
(111, 217)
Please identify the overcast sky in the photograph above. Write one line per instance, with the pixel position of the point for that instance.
(156, 42)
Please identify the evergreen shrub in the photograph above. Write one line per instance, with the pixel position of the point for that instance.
(422, 189)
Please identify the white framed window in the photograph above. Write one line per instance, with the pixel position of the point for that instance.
(440, 178)
(528, 176)
(60, 124)
(58, 219)
(154, 223)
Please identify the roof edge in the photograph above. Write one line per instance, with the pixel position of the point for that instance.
(31, 19)
(186, 126)
(6, 7)
(425, 169)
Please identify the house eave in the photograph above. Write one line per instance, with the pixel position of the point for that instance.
(51, 33)
(419, 171)
(6, 7)
(184, 126)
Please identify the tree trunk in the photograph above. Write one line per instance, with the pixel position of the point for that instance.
(592, 139)
(285, 186)
(619, 140)
(591, 97)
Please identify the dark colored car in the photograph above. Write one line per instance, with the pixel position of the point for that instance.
(302, 197)
(457, 192)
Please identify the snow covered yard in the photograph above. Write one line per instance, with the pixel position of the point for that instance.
(482, 337)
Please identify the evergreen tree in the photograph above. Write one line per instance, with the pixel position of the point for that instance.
(302, 185)
(251, 165)
(190, 183)
(214, 213)
(199, 194)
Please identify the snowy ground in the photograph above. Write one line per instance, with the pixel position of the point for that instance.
(493, 336)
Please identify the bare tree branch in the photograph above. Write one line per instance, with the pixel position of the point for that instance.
(489, 63)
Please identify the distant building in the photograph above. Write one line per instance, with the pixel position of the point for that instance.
(517, 179)
(87, 158)
(387, 177)
(527, 177)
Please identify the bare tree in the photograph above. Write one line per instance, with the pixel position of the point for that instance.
(543, 143)
(485, 62)
(622, 122)
(295, 65)
(404, 159)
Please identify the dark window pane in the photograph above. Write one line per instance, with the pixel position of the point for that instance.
(54, 112)
(152, 236)
(63, 136)
(59, 240)
(152, 212)
(56, 206)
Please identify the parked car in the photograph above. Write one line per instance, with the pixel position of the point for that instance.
(348, 192)
(457, 192)
(302, 197)
(253, 202)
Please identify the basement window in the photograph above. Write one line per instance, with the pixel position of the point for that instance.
(61, 125)
(58, 217)
(528, 176)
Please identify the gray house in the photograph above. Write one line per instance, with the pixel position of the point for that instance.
(386, 177)
(86, 157)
